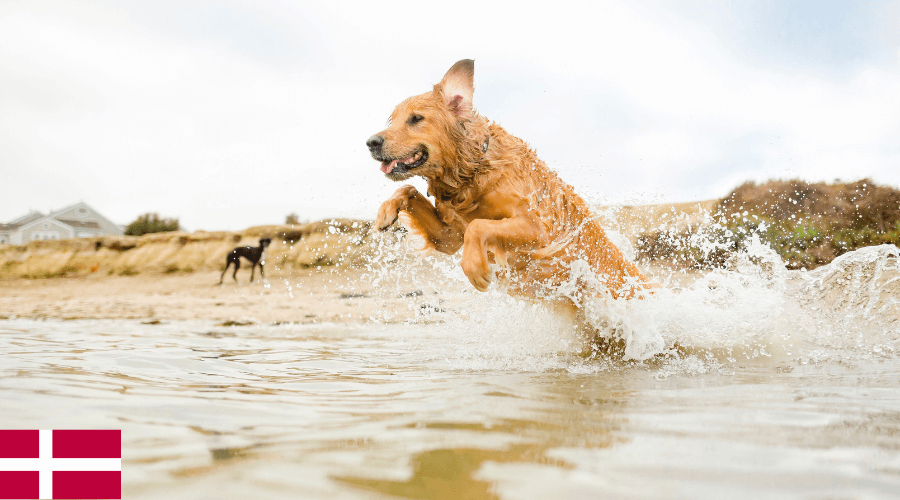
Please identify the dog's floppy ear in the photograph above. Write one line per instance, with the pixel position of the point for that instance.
(457, 87)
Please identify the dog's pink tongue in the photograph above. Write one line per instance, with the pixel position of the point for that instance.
(388, 167)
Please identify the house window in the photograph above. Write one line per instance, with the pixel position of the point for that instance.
(45, 225)
(44, 235)
(82, 212)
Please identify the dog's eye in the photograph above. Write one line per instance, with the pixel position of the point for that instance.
(414, 119)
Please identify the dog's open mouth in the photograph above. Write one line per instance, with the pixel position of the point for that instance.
(400, 165)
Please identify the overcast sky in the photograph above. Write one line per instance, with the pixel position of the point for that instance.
(228, 114)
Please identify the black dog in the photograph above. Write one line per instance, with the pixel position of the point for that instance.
(256, 255)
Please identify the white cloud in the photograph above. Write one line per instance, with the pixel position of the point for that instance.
(237, 120)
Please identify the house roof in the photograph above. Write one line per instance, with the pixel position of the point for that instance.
(43, 219)
(34, 216)
(25, 219)
(83, 204)
(69, 207)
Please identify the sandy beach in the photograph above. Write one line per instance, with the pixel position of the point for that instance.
(330, 271)
(333, 270)
(304, 296)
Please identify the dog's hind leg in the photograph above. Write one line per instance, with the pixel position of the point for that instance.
(498, 237)
(237, 265)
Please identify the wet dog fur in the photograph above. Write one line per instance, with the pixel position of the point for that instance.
(493, 198)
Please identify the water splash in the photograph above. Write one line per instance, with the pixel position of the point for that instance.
(854, 302)
(752, 310)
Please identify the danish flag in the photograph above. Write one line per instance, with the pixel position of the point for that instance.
(51, 464)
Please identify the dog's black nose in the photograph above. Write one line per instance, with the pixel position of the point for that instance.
(375, 141)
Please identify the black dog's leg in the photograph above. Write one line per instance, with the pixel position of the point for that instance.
(262, 274)
(237, 265)
(252, 270)
(227, 263)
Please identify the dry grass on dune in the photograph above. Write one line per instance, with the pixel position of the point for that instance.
(324, 243)
(852, 205)
(327, 243)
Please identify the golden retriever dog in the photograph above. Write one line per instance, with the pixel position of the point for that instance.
(494, 198)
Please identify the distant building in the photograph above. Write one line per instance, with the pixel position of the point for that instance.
(76, 221)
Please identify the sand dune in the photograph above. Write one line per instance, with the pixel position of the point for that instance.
(337, 243)
(323, 243)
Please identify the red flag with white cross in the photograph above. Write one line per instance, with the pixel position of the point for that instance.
(56, 464)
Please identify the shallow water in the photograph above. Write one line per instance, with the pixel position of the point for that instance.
(334, 411)
(786, 387)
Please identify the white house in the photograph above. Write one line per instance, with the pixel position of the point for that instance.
(75, 221)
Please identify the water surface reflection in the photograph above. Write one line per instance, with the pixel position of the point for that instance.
(338, 411)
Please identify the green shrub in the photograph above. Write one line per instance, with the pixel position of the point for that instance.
(151, 223)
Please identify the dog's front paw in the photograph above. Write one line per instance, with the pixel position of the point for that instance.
(387, 214)
(475, 266)
(478, 273)
(390, 209)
